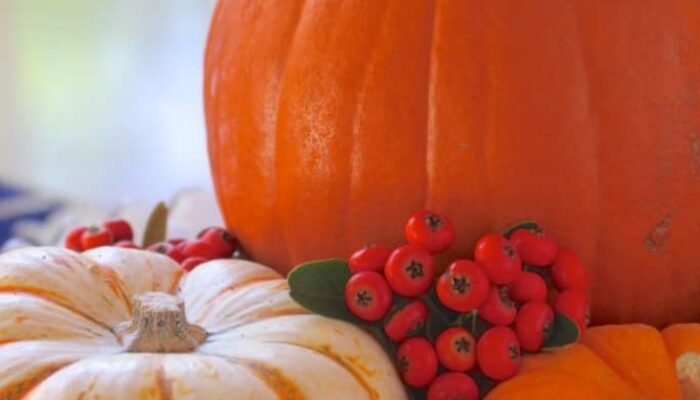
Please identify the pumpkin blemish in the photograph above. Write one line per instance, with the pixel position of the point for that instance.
(165, 384)
(655, 241)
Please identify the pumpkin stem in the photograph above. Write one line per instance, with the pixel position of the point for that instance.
(159, 326)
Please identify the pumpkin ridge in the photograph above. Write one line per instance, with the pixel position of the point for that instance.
(430, 130)
(326, 352)
(593, 114)
(491, 93)
(164, 384)
(233, 287)
(272, 377)
(282, 75)
(55, 299)
(681, 338)
(87, 390)
(264, 316)
(210, 112)
(240, 285)
(213, 140)
(356, 120)
(20, 390)
(176, 283)
(82, 327)
(492, 114)
(116, 284)
(610, 342)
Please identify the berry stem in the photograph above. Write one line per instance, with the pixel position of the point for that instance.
(529, 225)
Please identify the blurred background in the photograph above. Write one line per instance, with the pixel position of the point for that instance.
(100, 103)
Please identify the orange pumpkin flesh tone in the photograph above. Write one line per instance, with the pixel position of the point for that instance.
(682, 338)
(611, 362)
(329, 122)
(638, 354)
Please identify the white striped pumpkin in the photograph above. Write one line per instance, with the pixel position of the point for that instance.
(59, 311)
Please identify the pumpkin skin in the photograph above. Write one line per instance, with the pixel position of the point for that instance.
(59, 309)
(613, 362)
(330, 122)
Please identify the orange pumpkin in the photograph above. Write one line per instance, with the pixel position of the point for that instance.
(613, 362)
(329, 122)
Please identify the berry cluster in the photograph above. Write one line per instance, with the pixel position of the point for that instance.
(211, 243)
(514, 285)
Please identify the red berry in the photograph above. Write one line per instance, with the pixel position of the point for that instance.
(498, 309)
(191, 263)
(199, 248)
(120, 228)
(221, 240)
(456, 349)
(175, 253)
(372, 257)
(498, 353)
(574, 304)
(73, 238)
(368, 296)
(528, 287)
(95, 237)
(534, 325)
(169, 250)
(430, 231)
(406, 321)
(126, 244)
(417, 362)
(463, 287)
(204, 231)
(410, 270)
(453, 386)
(498, 258)
(181, 245)
(568, 271)
(534, 247)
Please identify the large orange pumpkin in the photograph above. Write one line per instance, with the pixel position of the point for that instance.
(330, 121)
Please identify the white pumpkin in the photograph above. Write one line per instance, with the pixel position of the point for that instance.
(67, 333)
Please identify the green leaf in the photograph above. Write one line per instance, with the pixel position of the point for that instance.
(439, 317)
(157, 225)
(319, 286)
(565, 332)
(530, 225)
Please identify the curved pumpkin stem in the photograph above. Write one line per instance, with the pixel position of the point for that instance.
(159, 326)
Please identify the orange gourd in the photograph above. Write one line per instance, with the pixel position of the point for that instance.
(613, 362)
(330, 122)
